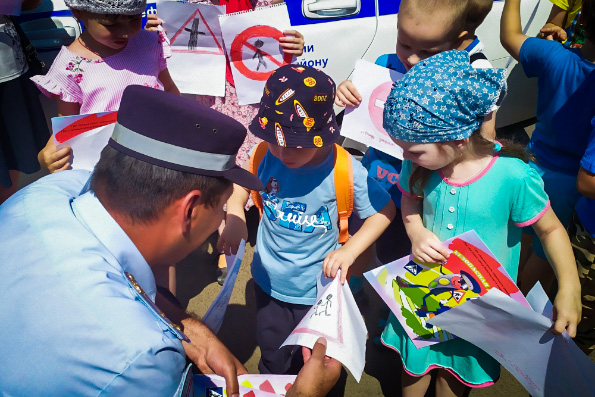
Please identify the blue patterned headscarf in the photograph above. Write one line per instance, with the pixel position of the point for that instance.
(442, 99)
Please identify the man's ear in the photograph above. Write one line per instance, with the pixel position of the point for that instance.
(187, 207)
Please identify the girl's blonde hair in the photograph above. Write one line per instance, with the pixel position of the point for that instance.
(480, 146)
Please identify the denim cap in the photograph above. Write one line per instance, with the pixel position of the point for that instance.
(441, 99)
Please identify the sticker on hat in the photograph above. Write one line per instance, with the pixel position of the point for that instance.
(309, 122)
(320, 98)
(279, 134)
(299, 69)
(266, 90)
(317, 141)
(283, 79)
(310, 81)
(299, 109)
(288, 93)
(263, 121)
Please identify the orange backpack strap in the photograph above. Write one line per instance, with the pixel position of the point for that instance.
(343, 190)
(257, 155)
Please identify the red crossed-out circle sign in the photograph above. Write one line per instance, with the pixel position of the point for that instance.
(241, 40)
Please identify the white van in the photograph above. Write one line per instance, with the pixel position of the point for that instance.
(336, 33)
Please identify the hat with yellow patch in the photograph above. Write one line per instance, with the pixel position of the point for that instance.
(296, 109)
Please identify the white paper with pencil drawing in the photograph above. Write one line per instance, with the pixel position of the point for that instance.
(336, 317)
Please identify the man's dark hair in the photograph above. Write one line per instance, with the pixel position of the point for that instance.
(140, 191)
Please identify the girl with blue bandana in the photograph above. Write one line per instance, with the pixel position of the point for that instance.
(453, 180)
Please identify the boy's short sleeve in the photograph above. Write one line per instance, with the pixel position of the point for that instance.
(537, 54)
(369, 196)
(531, 200)
(588, 160)
(404, 177)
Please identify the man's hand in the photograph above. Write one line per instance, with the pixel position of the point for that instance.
(211, 356)
(318, 375)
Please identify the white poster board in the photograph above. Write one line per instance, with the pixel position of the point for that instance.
(363, 123)
(252, 42)
(521, 340)
(86, 134)
(197, 63)
(336, 317)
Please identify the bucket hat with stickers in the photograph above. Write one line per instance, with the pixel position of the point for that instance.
(296, 109)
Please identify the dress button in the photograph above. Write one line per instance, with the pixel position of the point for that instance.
(451, 209)
(449, 226)
(453, 191)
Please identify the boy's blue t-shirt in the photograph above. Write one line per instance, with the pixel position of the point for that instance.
(565, 103)
(585, 207)
(299, 228)
(385, 169)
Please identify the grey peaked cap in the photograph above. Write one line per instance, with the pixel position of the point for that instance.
(120, 7)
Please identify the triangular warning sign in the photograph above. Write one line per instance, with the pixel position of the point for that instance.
(413, 268)
(195, 36)
(458, 295)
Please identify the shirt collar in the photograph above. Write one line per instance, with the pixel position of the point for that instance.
(89, 210)
(474, 46)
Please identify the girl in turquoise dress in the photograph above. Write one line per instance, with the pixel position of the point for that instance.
(453, 180)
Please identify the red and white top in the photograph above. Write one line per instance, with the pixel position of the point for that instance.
(97, 85)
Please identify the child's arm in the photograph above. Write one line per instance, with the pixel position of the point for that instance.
(372, 228)
(168, 82)
(554, 27)
(50, 158)
(585, 183)
(555, 241)
(425, 245)
(511, 33)
(347, 94)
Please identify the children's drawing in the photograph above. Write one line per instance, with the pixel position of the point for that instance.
(86, 134)
(417, 292)
(197, 64)
(251, 385)
(363, 123)
(336, 317)
(252, 42)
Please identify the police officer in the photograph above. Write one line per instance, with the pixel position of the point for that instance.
(79, 252)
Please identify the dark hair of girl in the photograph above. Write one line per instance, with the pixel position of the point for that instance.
(481, 146)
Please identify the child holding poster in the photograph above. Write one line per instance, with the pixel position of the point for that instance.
(454, 180)
(89, 76)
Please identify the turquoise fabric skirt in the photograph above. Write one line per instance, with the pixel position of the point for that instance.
(468, 363)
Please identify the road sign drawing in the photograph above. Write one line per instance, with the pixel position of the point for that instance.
(252, 44)
(363, 123)
(197, 63)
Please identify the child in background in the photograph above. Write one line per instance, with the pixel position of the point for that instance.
(89, 76)
(582, 237)
(563, 23)
(292, 43)
(454, 180)
(564, 112)
(298, 233)
(425, 28)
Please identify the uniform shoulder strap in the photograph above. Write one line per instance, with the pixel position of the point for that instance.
(257, 155)
(343, 190)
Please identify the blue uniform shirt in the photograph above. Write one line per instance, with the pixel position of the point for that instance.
(71, 322)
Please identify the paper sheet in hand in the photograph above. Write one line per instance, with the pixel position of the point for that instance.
(197, 64)
(363, 123)
(336, 317)
(10, 7)
(416, 292)
(250, 385)
(252, 43)
(86, 134)
(521, 340)
(213, 318)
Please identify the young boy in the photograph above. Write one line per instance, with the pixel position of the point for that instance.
(477, 11)
(298, 232)
(564, 110)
